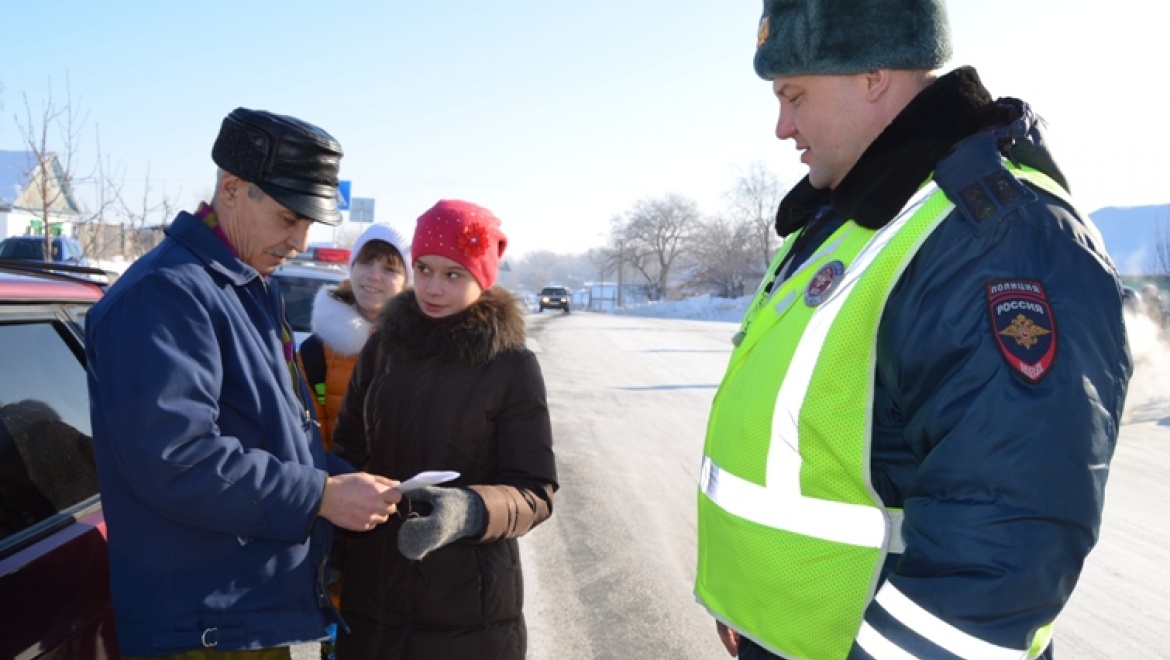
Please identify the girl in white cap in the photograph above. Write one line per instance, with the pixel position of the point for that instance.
(345, 316)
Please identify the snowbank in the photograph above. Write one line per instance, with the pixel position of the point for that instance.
(702, 308)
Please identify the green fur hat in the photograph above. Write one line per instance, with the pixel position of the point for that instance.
(838, 37)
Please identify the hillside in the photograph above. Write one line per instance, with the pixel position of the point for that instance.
(1130, 232)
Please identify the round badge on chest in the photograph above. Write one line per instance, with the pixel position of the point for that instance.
(823, 283)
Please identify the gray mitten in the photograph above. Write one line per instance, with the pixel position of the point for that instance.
(456, 513)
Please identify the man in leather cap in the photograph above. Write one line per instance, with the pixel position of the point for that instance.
(908, 454)
(219, 498)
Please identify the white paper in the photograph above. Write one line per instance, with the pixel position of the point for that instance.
(429, 478)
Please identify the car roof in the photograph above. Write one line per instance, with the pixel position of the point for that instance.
(38, 239)
(32, 284)
(312, 270)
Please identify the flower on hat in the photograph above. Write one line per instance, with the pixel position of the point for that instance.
(473, 240)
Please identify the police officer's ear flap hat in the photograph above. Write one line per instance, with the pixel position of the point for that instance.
(292, 161)
(840, 37)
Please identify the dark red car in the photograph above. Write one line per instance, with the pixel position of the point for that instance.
(54, 575)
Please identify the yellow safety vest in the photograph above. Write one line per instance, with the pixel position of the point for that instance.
(791, 534)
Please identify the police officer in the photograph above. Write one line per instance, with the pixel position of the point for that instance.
(907, 455)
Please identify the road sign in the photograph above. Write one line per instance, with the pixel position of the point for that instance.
(362, 209)
(343, 195)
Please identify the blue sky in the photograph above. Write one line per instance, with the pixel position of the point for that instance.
(556, 115)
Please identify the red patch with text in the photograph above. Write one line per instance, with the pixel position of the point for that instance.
(1024, 327)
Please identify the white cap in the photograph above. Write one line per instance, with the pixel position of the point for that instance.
(381, 232)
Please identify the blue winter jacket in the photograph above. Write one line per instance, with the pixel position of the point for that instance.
(210, 466)
(998, 456)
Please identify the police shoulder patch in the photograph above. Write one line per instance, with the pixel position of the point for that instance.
(1023, 326)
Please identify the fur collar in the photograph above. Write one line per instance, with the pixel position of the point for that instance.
(340, 326)
(889, 172)
(481, 333)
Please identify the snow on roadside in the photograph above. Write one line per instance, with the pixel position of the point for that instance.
(701, 308)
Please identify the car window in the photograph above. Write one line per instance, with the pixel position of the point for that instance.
(79, 313)
(46, 454)
(298, 293)
(554, 291)
(21, 249)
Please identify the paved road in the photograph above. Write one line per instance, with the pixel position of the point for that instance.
(609, 576)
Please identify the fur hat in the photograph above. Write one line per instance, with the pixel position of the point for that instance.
(840, 37)
(293, 161)
(464, 233)
(380, 232)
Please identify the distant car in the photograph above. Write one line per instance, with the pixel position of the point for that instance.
(64, 250)
(54, 572)
(555, 297)
(299, 282)
(1130, 300)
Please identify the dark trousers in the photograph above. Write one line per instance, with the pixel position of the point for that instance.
(749, 650)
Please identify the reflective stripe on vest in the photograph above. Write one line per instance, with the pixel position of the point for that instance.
(792, 536)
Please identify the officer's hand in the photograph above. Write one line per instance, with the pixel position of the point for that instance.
(729, 637)
(359, 501)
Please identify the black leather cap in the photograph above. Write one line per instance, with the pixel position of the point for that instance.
(293, 161)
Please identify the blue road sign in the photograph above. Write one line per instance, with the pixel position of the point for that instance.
(343, 195)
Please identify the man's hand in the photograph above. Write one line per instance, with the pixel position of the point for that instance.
(729, 637)
(359, 501)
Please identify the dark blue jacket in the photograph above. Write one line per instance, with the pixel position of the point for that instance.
(211, 470)
(1000, 469)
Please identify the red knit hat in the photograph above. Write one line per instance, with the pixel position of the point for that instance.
(464, 233)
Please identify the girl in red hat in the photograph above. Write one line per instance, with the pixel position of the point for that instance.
(447, 384)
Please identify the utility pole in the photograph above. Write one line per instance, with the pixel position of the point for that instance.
(621, 268)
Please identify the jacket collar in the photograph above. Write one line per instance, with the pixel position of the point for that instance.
(197, 237)
(479, 334)
(901, 158)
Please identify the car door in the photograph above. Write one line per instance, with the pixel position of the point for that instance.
(54, 575)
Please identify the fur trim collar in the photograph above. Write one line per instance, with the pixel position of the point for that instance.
(889, 172)
(491, 326)
(340, 326)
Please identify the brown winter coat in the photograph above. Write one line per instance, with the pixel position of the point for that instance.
(460, 394)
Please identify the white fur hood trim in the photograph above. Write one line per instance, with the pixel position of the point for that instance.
(339, 325)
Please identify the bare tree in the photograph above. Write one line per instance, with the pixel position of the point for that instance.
(91, 228)
(55, 170)
(142, 223)
(753, 200)
(1159, 261)
(652, 237)
(536, 270)
(721, 261)
(50, 171)
(608, 259)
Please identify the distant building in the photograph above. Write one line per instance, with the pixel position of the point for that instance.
(23, 188)
(604, 296)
